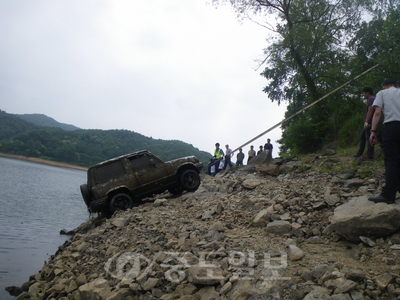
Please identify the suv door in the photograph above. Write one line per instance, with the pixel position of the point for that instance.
(150, 172)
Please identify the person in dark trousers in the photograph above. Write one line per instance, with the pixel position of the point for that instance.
(251, 153)
(365, 134)
(388, 102)
(228, 155)
(261, 150)
(268, 146)
(218, 156)
(240, 157)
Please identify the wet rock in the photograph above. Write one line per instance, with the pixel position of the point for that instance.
(25, 286)
(14, 290)
(68, 232)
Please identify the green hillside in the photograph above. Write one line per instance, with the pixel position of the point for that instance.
(43, 120)
(83, 147)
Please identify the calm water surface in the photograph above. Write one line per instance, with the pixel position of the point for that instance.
(37, 201)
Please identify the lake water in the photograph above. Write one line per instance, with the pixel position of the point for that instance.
(37, 201)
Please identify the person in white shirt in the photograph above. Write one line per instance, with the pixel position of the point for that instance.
(228, 154)
(388, 102)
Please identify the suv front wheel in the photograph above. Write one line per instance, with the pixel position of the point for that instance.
(176, 190)
(190, 180)
(120, 201)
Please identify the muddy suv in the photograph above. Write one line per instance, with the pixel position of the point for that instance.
(119, 183)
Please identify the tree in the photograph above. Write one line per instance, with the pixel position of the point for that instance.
(308, 58)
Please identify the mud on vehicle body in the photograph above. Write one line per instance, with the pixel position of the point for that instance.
(119, 183)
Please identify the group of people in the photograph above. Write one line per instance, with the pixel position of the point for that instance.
(386, 102)
(252, 153)
(221, 160)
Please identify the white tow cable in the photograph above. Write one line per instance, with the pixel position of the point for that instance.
(305, 108)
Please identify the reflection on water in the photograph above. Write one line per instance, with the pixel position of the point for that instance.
(37, 201)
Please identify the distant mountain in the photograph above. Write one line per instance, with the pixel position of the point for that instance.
(43, 120)
(10, 125)
(81, 147)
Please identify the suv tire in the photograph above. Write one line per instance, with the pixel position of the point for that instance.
(190, 180)
(120, 201)
(176, 190)
(86, 194)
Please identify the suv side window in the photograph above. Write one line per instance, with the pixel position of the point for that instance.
(109, 171)
(141, 162)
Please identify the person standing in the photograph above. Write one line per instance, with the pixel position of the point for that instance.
(218, 155)
(261, 150)
(251, 153)
(240, 157)
(268, 146)
(365, 134)
(228, 155)
(388, 102)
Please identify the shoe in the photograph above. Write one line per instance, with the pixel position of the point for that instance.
(381, 199)
(357, 155)
(368, 156)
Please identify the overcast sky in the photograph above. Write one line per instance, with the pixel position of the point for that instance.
(173, 70)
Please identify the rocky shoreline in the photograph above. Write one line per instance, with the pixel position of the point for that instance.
(289, 229)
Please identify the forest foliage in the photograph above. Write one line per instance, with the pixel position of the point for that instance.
(315, 46)
(83, 147)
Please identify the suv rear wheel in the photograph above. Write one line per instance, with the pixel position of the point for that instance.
(120, 201)
(86, 194)
(190, 180)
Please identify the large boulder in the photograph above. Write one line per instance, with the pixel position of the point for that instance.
(360, 217)
(262, 158)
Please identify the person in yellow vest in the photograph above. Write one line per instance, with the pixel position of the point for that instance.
(219, 155)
